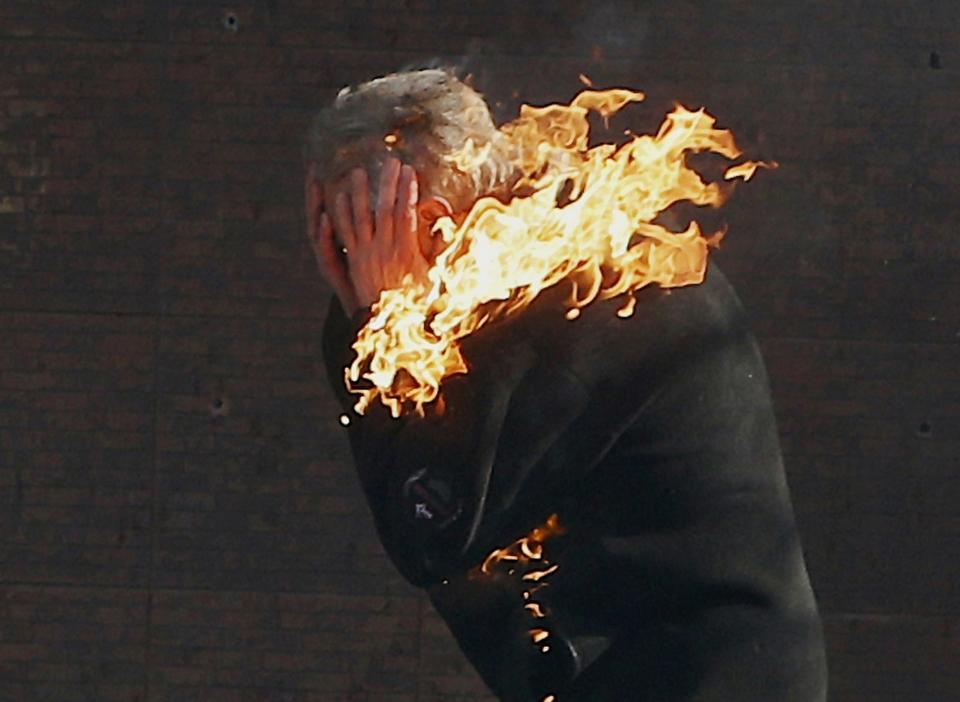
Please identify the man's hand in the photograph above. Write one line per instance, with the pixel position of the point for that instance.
(379, 251)
(320, 232)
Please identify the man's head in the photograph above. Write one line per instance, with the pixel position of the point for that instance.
(422, 118)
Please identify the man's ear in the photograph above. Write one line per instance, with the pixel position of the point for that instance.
(429, 210)
(432, 208)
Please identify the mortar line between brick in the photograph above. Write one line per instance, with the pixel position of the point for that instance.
(151, 315)
(403, 52)
(157, 316)
(271, 592)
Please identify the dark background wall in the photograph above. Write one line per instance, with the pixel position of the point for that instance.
(178, 517)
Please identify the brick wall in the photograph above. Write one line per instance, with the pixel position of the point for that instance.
(178, 519)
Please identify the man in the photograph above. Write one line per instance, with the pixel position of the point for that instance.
(677, 572)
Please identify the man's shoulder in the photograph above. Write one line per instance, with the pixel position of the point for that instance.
(666, 324)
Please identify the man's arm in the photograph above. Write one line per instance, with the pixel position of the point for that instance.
(428, 479)
(439, 486)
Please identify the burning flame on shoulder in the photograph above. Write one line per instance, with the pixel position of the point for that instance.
(585, 213)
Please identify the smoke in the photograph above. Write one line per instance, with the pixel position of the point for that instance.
(615, 29)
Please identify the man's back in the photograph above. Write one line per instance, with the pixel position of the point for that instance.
(678, 575)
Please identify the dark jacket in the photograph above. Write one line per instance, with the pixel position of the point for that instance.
(679, 572)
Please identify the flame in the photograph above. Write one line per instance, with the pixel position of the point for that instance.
(746, 170)
(586, 214)
(531, 549)
(538, 575)
(534, 609)
(538, 635)
(527, 548)
(524, 550)
(470, 156)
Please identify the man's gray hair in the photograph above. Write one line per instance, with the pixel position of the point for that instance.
(423, 118)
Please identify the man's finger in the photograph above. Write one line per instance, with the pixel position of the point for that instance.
(343, 221)
(313, 201)
(405, 215)
(360, 198)
(329, 197)
(386, 201)
(331, 264)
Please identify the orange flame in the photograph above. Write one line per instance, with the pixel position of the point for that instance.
(538, 635)
(527, 548)
(746, 170)
(537, 575)
(535, 609)
(590, 212)
(523, 550)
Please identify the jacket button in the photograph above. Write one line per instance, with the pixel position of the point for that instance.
(429, 499)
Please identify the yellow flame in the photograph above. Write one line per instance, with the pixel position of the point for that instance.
(585, 212)
(535, 609)
(536, 575)
(531, 550)
(529, 547)
(469, 157)
(747, 169)
(538, 635)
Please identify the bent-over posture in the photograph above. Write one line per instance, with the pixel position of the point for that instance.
(678, 573)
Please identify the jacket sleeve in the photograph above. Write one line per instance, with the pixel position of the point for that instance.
(440, 486)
